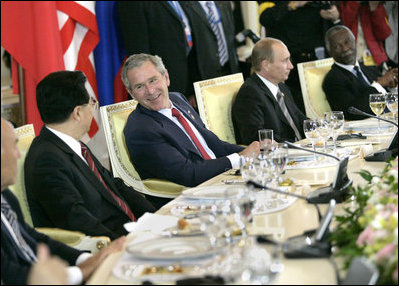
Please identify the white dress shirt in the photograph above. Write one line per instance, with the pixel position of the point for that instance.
(233, 158)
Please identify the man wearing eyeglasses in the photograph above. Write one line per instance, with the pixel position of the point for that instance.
(66, 185)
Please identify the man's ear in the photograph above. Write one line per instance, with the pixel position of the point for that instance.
(76, 113)
(167, 77)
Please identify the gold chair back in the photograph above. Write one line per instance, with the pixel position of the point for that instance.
(25, 134)
(215, 98)
(311, 76)
(114, 117)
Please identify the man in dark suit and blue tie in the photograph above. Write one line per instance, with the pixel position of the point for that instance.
(66, 186)
(264, 101)
(349, 83)
(165, 137)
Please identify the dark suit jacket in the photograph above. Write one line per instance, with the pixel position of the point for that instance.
(63, 192)
(256, 108)
(205, 42)
(14, 267)
(160, 149)
(155, 28)
(343, 89)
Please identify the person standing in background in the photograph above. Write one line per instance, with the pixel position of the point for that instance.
(391, 43)
(162, 28)
(368, 22)
(301, 25)
(213, 30)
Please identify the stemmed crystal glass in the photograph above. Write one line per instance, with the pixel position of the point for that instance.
(310, 130)
(336, 121)
(392, 103)
(324, 131)
(377, 104)
(279, 159)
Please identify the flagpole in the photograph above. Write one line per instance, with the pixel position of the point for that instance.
(21, 85)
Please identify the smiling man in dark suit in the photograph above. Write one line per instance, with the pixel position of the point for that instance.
(264, 101)
(165, 137)
(65, 186)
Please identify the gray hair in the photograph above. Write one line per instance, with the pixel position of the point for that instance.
(332, 31)
(137, 60)
(263, 50)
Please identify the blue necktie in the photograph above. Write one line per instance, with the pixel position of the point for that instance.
(214, 22)
(11, 217)
(359, 75)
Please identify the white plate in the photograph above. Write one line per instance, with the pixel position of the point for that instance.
(157, 274)
(173, 248)
(215, 192)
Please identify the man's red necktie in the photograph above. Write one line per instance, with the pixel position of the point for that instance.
(190, 132)
(92, 166)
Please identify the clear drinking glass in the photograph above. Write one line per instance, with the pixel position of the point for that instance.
(392, 103)
(324, 131)
(377, 104)
(336, 121)
(310, 129)
(265, 140)
(279, 158)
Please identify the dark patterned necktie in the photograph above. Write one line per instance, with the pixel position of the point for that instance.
(280, 100)
(190, 132)
(359, 75)
(214, 22)
(92, 166)
(11, 217)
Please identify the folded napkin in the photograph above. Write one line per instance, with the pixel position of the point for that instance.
(365, 150)
(154, 223)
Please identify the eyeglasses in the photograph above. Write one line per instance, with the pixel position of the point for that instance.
(93, 102)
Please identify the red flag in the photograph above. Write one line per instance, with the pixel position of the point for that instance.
(29, 32)
(47, 36)
(79, 35)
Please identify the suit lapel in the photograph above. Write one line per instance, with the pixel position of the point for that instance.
(172, 128)
(197, 8)
(79, 164)
(170, 9)
(269, 94)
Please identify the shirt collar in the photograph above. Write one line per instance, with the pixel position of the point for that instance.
(69, 140)
(271, 86)
(348, 67)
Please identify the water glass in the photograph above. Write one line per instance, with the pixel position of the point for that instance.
(310, 130)
(265, 140)
(336, 121)
(279, 159)
(324, 131)
(392, 103)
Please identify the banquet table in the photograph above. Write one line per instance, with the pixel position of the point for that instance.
(282, 224)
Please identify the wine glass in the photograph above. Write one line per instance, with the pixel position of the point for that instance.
(392, 103)
(377, 104)
(279, 159)
(248, 168)
(324, 131)
(336, 120)
(310, 130)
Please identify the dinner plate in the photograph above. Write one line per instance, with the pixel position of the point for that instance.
(215, 192)
(173, 248)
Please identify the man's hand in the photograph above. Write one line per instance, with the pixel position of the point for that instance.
(48, 270)
(389, 79)
(253, 148)
(93, 262)
(331, 14)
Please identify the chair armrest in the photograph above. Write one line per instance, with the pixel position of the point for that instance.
(76, 239)
(159, 186)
